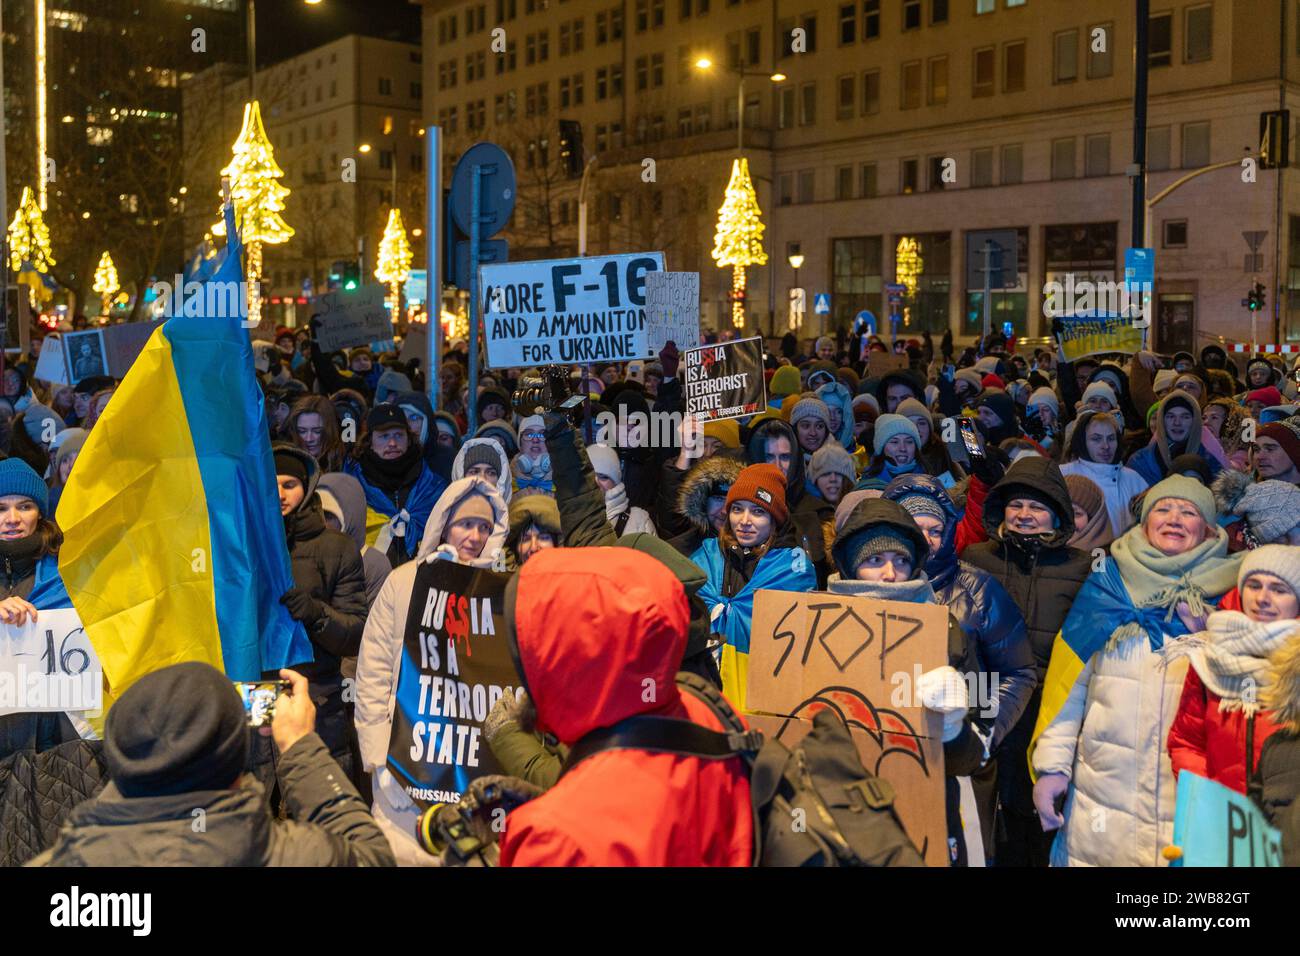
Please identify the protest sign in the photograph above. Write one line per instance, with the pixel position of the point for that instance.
(85, 353)
(455, 666)
(672, 310)
(124, 343)
(724, 380)
(1217, 826)
(566, 311)
(882, 363)
(1078, 336)
(860, 658)
(50, 365)
(414, 342)
(353, 318)
(49, 665)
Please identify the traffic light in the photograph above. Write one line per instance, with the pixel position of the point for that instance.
(1274, 139)
(571, 147)
(1255, 298)
(351, 275)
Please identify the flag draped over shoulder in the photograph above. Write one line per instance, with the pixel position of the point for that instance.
(174, 546)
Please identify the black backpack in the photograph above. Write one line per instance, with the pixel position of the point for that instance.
(813, 806)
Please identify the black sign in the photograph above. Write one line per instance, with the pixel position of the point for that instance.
(455, 667)
(725, 380)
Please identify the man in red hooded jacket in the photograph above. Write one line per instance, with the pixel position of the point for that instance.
(599, 635)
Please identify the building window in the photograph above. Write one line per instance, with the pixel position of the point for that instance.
(870, 19)
(937, 93)
(1198, 34)
(642, 69)
(936, 165)
(911, 14)
(985, 6)
(1160, 40)
(785, 107)
(642, 15)
(385, 86)
(929, 308)
(1013, 67)
(938, 11)
(1158, 154)
(1065, 57)
(910, 176)
(656, 13)
(984, 80)
(1175, 233)
(807, 180)
(785, 190)
(1063, 158)
(1006, 305)
(847, 87)
(808, 104)
(754, 45)
(1196, 145)
(684, 121)
(602, 84)
(855, 276)
(385, 159)
(564, 93)
(1096, 155)
(808, 22)
(848, 23)
(867, 186)
(871, 93)
(657, 70)
(1100, 64)
(981, 168)
(703, 118)
(1013, 165)
(911, 90)
(844, 182)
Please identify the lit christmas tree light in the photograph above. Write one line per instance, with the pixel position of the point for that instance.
(258, 198)
(738, 241)
(29, 247)
(106, 283)
(394, 265)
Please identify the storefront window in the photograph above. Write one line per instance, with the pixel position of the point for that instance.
(856, 279)
(1009, 305)
(923, 263)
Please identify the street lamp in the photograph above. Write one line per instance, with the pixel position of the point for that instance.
(363, 148)
(704, 63)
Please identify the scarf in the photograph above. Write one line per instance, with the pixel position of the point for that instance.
(390, 475)
(615, 501)
(1231, 657)
(1156, 581)
(1097, 533)
(916, 590)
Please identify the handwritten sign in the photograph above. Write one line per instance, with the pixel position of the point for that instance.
(49, 665)
(1078, 336)
(880, 364)
(1217, 826)
(724, 380)
(861, 658)
(672, 310)
(354, 318)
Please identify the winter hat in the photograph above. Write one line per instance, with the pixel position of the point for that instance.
(988, 364)
(385, 416)
(1085, 493)
(291, 465)
(19, 478)
(1164, 380)
(533, 423)
(1045, 396)
(923, 506)
(1180, 486)
(851, 501)
(1100, 389)
(1001, 404)
(66, 444)
(34, 421)
(1271, 508)
(492, 396)
(817, 377)
(474, 505)
(604, 461)
(889, 425)
(874, 539)
(180, 729)
(1269, 395)
(824, 341)
(848, 378)
(1191, 462)
(971, 377)
(482, 454)
(447, 423)
(1286, 436)
(910, 408)
(810, 408)
(503, 433)
(992, 381)
(832, 459)
(865, 400)
(725, 430)
(765, 486)
(785, 381)
(390, 383)
(1280, 560)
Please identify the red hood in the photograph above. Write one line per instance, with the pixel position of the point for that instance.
(593, 628)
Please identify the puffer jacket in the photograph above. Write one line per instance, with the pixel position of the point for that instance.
(330, 825)
(1276, 784)
(981, 606)
(1210, 741)
(617, 807)
(39, 788)
(380, 660)
(804, 518)
(1119, 485)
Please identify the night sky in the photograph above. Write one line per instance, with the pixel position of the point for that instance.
(286, 28)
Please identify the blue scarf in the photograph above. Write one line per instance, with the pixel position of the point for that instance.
(419, 503)
(777, 570)
(48, 591)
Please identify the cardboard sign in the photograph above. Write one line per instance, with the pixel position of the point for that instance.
(724, 380)
(49, 665)
(50, 364)
(349, 319)
(672, 310)
(1215, 825)
(1078, 336)
(566, 311)
(455, 666)
(861, 658)
(414, 342)
(880, 364)
(124, 343)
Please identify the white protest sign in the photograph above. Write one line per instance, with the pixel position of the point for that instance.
(351, 318)
(566, 311)
(49, 665)
(49, 364)
(672, 310)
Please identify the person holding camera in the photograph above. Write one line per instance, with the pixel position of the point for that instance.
(176, 744)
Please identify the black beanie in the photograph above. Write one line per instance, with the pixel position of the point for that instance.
(385, 416)
(177, 730)
(287, 463)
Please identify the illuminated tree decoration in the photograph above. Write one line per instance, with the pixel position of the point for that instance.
(738, 241)
(258, 198)
(106, 283)
(29, 247)
(394, 265)
(908, 266)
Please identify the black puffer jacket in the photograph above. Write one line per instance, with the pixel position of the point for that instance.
(805, 521)
(714, 474)
(38, 789)
(1277, 785)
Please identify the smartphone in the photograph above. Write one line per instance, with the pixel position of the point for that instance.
(259, 699)
(573, 401)
(970, 438)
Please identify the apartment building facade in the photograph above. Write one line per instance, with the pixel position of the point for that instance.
(900, 126)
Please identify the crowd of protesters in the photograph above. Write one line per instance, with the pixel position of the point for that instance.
(1118, 549)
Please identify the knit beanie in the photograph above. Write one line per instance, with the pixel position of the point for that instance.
(1180, 486)
(1286, 436)
(1085, 493)
(851, 501)
(1164, 380)
(832, 459)
(604, 462)
(876, 539)
(290, 465)
(1280, 560)
(482, 453)
(1272, 508)
(19, 478)
(391, 383)
(971, 377)
(865, 400)
(35, 417)
(923, 506)
(1100, 389)
(1045, 396)
(503, 433)
(66, 444)
(785, 381)
(1269, 395)
(992, 381)
(810, 408)
(824, 341)
(910, 408)
(725, 430)
(180, 729)
(987, 364)
(764, 485)
(889, 425)
(492, 396)
(473, 505)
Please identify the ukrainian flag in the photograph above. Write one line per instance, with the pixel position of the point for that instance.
(174, 546)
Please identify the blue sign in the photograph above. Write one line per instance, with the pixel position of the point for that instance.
(822, 303)
(417, 286)
(1217, 826)
(864, 323)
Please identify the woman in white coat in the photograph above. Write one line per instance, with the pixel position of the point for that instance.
(1094, 452)
(468, 525)
(1103, 776)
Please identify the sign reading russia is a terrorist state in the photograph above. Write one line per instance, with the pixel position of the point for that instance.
(566, 311)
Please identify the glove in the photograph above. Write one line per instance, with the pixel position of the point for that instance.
(943, 691)
(302, 606)
(555, 424)
(991, 467)
(485, 794)
(509, 710)
(670, 358)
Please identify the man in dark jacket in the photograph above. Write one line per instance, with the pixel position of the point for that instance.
(1030, 519)
(176, 745)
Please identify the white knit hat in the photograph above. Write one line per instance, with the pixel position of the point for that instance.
(1045, 396)
(604, 461)
(1280, 560)
(1100, 389)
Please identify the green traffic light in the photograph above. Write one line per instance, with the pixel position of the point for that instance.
(350, 284)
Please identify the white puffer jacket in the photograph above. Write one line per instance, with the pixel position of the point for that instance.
(1118, 484)
(1109, 738)
(380, 659)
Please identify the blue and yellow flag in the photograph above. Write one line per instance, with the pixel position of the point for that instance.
(174, 546)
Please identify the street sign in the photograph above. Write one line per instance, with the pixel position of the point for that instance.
(1140, 280)
(864, 323)
(894, 292)
(1004, 265)
(822, 303)
(496, 195)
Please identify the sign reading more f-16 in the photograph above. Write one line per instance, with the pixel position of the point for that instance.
(567, 311)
